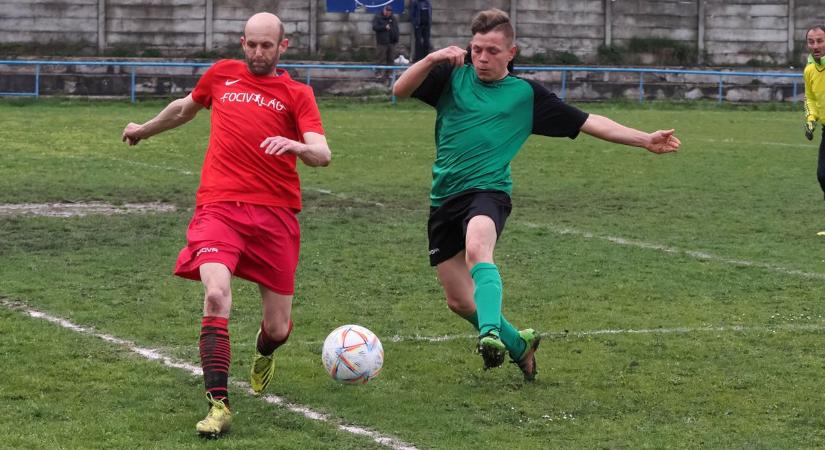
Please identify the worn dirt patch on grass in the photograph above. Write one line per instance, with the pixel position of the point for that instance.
(80, 209)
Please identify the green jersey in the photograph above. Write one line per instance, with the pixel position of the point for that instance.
(480, 127)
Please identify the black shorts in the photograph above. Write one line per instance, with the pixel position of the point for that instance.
(447, 227)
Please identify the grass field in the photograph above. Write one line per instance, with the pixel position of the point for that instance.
(680, 294)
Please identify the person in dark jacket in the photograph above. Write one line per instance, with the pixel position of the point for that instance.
(421, 16)
(385, 25)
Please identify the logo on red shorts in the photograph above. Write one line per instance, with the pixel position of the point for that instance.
(206, 250)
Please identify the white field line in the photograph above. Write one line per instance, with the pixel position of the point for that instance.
(151, 166)
(584, 334)
(155, 355)
(342, 196)
(189, 172)
(131, 163)
(749, 143)
(705, 256)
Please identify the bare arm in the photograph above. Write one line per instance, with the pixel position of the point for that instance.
(314, 151)
(175, 114)
(409, 81)
(662, 141)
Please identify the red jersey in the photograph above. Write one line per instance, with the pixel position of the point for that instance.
(246, 109)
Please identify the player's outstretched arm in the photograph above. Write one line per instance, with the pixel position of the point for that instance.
(175, 114)
(662, 141)
(409, 81)
(313, 152)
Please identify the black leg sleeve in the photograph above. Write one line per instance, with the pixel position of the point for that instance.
(820, 167)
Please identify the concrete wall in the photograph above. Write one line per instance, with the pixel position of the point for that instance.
(41, 21)
(721, 31)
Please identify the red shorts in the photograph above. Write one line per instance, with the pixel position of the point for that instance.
(257, 243)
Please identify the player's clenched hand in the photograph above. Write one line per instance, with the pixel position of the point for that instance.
(663, 141)
(131, 134)
(452, 54)
(278, 145)
(809, 130)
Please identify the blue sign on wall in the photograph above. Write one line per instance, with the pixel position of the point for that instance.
(372, 6)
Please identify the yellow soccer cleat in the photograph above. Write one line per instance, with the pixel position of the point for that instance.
(263, 368)
(217, 421)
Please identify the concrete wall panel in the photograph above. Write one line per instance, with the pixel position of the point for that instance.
(735, 29)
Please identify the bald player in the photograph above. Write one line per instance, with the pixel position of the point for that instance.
(245, 221)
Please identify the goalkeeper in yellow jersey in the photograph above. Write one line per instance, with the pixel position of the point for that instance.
(815, 93)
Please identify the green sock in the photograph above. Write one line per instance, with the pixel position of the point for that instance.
(509, 336)
(473, 319)
(487, 296)
(512, 340)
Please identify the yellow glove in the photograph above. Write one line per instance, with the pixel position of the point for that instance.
(809, 130)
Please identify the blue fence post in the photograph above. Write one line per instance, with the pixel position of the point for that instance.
(37, 81)
(720, 89)
(794, 90)
(309, 77)
(563, 84)
(392, 83)
(132, 78)
(641, 87)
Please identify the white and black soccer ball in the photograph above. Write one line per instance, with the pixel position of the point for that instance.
(352, 354)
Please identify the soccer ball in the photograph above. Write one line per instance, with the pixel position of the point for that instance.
(352, 354)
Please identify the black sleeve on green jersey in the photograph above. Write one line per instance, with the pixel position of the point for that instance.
(553, 117)
(431, 88)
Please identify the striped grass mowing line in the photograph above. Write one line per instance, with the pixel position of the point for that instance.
(154, 355)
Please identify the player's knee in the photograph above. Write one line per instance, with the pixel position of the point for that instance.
(278, 330)
(477, 254)
(460, 306)
(217, 300)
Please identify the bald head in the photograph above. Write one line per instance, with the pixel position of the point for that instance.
(266, 25)
(263, 43)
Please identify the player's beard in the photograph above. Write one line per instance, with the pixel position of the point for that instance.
(262, 67)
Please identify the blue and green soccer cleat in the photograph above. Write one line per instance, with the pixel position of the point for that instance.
(527, 362)
(492, 350)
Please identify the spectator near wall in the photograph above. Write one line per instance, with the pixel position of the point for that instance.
(421, 17)
(385, 25)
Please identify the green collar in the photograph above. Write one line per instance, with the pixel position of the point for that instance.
(820, 64)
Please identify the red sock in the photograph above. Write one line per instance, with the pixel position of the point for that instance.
(266, 345)
(215, 356)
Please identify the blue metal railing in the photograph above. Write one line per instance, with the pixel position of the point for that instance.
(133, 65)
(642, 71)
